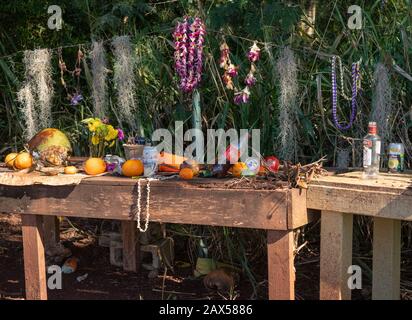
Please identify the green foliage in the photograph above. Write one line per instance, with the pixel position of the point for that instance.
(386, 37)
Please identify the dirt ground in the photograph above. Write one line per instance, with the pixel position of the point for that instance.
(105, 281)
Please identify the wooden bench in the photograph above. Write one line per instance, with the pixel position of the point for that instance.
(173, 201)
(388, 200)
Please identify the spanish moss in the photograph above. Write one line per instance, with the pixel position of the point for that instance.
(382, 101)
(99, 70)
(287, 71)
(25, 97)
(124, 79)
(39, 77)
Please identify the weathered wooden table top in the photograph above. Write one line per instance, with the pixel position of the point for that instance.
(171, 201)
(388, 196)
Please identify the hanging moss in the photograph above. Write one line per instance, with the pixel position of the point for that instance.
(382, 101)
(26, 99)
(36, 94)
(99, 86)
(287, 70)
(125, 80)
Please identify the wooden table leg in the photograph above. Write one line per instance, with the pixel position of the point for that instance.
(51, 227)
(34, 261)
(131, 246)
(335, 255)
(386, 259)
(281, 271)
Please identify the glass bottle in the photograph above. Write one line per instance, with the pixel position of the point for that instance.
(371, 152)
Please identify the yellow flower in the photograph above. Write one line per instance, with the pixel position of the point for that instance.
(111, 134)
(95, 140)
(94, 124)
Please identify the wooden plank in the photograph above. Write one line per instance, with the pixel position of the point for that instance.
(386, 259)
(298, 214)
(34, 261)
(51, 231)
(335, 255)
(131, 246)
(392, 205)
(281, 270)
(170, 203)
(385, 181)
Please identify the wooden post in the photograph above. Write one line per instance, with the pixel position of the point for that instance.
(281, 271)
(386, 259)
(51, 227)
(335, 255)
(131, 246)
(34, 261)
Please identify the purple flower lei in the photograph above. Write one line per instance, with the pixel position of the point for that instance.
(242, 97)
(188, 40)
(355, 79)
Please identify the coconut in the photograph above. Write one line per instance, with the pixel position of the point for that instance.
(51, 147)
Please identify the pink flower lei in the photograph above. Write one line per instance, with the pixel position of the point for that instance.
(189, 37)
(231, 71)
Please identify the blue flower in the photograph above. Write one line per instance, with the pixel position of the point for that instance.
(76, 99)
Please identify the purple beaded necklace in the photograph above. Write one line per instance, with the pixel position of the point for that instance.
(355, 80)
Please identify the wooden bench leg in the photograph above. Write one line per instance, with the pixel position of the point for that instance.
(51, 227)
(34, 261)
(386, 259)
(131, 246)
(281, 271)
(335, 255)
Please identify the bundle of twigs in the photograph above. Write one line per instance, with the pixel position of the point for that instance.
(299, 176)
(289, 176)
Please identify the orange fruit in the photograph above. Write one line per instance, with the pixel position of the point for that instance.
(132, 168)
(186, 173)
(70, 170)
(237, 169)
(23, 160)
(191, 164)
(94, 166)
(9, 160)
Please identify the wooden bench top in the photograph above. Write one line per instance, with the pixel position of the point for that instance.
(171, 201)
(389, 196)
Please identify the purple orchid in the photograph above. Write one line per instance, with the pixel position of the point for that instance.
(120, 134)
(254, 53)
(232, 70)
(110, 167)
(250, 79)
(242, 97)
(76, 99)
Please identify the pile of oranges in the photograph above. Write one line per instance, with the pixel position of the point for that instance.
(19, 161)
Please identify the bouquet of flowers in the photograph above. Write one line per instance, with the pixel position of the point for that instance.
(102, 135)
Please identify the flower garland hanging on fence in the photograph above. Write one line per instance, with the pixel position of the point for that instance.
(73, 94)
(188, 40)
(355, 89)
(231, 71)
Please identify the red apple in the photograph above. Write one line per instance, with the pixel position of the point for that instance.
(272, 163)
